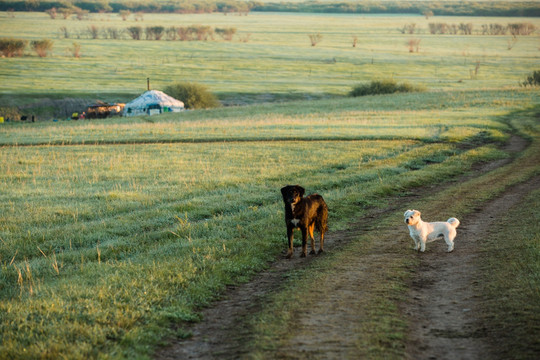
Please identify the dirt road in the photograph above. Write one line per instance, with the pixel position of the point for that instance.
(444, 311)
(442, 307)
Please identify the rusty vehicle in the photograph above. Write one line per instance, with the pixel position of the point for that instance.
(101, 110)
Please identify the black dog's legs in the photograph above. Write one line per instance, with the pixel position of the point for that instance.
(290, 237)
(304, 241)
(321, 243)
(312, 238)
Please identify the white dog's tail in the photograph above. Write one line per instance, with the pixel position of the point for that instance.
(454, 222)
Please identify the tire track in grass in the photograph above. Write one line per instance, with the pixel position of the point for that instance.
(444, 305)
(330, 331)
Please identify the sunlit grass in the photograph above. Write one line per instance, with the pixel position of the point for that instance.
(506, 282)
(142, 221)
(436, 116)
(278, 55)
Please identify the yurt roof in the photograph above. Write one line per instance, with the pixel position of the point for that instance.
(154, 97)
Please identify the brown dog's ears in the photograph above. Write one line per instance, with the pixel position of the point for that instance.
(300, 189)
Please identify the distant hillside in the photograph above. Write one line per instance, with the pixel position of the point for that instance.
(429, 8)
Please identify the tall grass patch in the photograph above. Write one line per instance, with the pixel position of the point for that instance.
(382, 87)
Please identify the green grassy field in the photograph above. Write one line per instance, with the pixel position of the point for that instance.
(112, 229)
(277, 62)
(506, 282)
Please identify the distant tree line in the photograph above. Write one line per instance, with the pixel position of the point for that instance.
(182, 33)
(446, 8)
(150, 6)
(514, 29)
(433, 8)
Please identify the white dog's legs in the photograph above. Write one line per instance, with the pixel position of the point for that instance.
(419, 243)
(449, 238)
(450, 244)
(422, 245)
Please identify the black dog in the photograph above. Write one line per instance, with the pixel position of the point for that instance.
(304, 213)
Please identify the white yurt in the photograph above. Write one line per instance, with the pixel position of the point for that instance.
(153, 102)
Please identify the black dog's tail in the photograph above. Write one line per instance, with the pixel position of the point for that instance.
(321, 221)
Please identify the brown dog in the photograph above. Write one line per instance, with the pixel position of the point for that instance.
(304, 213)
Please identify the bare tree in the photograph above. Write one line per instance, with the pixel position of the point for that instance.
(154, 32)
(135, 32)
(315, 38)
(512, 41)
(245, 37)
(184, 33)
(75, 50)
(408, 29)
(474, 73)
(93, 31)
(66, 12)
(81, 14)
(124, 14)
(226, 33)
(42, 47)
(428, 13)
(414, 45)
(171, 33)
(112, 33)
(52, 13)
(64, 32)
(466, 29)
(202, 32)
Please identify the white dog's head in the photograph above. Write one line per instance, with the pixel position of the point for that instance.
(412, 217)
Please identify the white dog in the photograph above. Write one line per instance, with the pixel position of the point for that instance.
(423, 232)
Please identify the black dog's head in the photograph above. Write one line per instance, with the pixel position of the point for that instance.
(292, 194)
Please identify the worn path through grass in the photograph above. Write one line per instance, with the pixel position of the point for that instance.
(372, 296)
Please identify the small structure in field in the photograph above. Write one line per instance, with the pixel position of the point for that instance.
(102, 110)
(153, 102)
